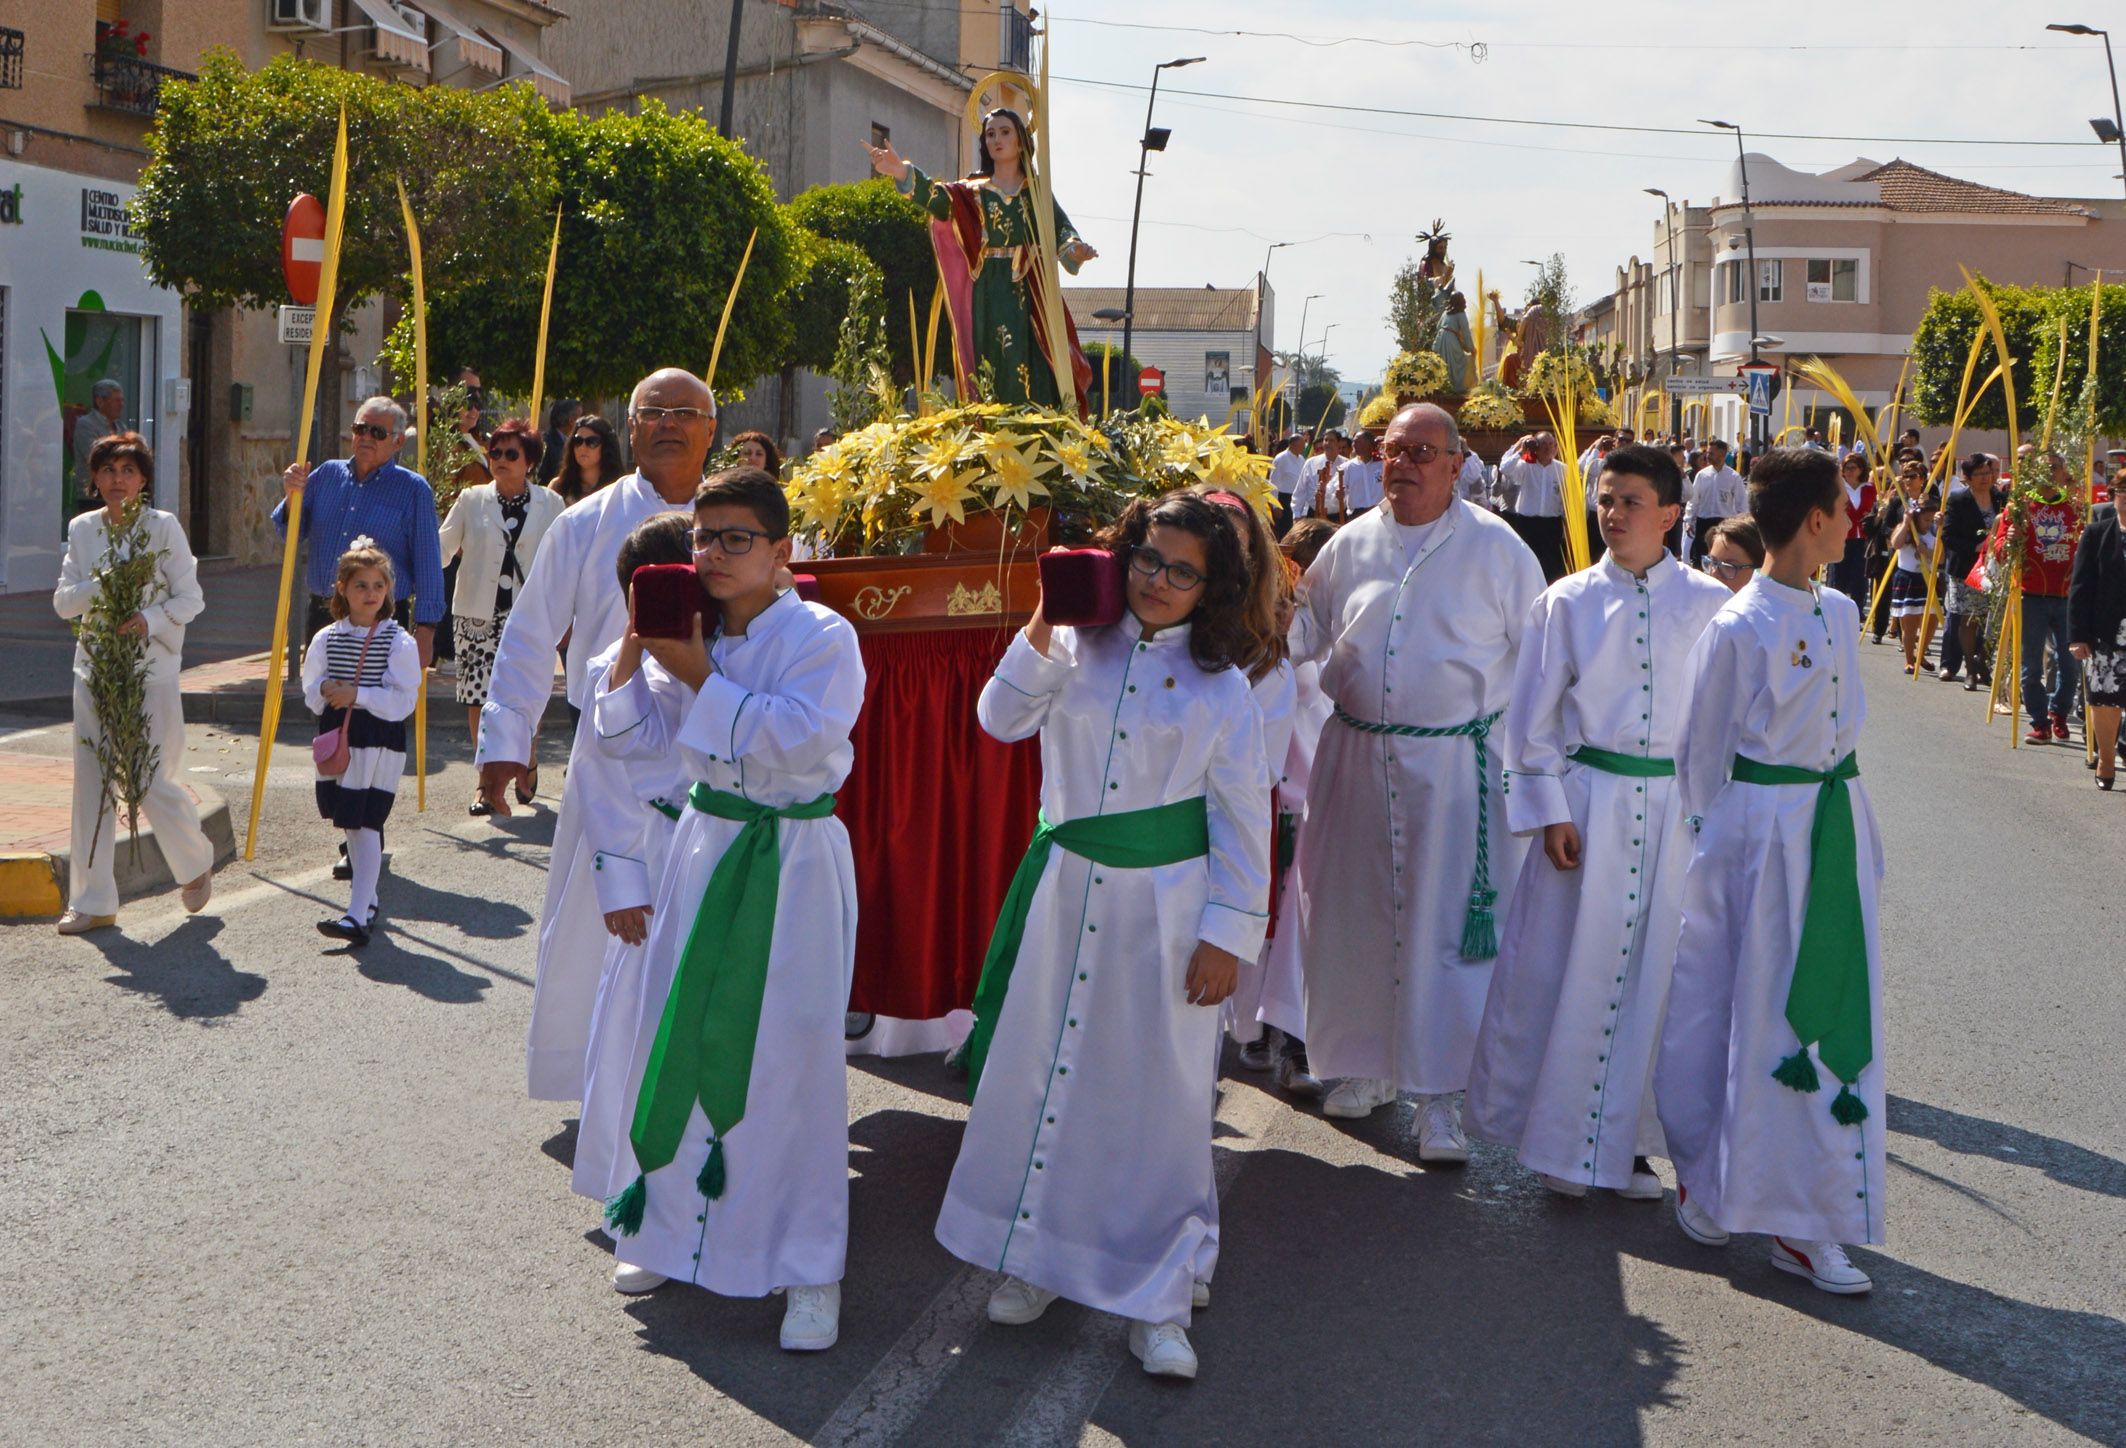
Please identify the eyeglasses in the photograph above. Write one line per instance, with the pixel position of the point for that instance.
(586, 439)
(651, 416)
(1418, 452)
(1148, 565)
(735, 542)
(1721, 568)
(375, 431)
(507, 454)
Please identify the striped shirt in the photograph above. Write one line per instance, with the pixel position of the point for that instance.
(343, 650)
(393, 505)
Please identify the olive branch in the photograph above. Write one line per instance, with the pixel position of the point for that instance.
(128, 583)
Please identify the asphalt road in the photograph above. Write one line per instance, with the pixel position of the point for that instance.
(261, 1192)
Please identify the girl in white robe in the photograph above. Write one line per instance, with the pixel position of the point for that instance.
(1774, 680)
(1565, 1055)
(1085, 1170)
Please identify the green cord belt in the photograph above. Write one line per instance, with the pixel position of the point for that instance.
(1479, 931)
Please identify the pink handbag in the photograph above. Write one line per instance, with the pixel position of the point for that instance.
(330, 751)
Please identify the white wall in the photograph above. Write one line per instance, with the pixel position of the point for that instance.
(1180, 356)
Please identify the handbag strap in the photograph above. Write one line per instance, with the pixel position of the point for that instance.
(363, 657)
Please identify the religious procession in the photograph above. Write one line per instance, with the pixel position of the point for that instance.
(996, 789)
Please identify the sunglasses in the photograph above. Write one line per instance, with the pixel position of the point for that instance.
(507, 454)
(374, 431)
(586, 439)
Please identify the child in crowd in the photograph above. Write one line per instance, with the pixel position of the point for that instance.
(740, 1123)
(1565, 1056)
(362, 674)
(1085, 1171)
(636, 800)
(1736, 553)
(121, 468)
(1282, 1008)
(1778, 976)
(1912, 541)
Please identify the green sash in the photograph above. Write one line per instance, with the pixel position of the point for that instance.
(705, 1040)
(1827, 1004)
(1480, 940)
(1636, 766)
(1136, 839)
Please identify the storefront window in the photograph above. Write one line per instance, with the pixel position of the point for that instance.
(101, 347)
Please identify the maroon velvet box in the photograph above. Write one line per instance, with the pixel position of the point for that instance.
(1081, 587)
(668, 597)
(807, 586)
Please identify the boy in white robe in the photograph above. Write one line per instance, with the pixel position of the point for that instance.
(1769, 1078)
(1565, 1056)
(740, 1123)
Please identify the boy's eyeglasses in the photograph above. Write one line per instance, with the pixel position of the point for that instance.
(1721, 568)
(735, 542)
(1148, 565)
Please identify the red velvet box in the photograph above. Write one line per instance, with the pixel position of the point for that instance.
(668, 597)
(807, 586)
(1082, 587)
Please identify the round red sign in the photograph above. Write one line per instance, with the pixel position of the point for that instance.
(303, 248)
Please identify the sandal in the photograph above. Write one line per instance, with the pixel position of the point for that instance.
(528, 787)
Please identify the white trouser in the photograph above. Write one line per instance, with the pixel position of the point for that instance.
(92, 888)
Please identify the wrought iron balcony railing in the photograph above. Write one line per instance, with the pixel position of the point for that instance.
(126, 83)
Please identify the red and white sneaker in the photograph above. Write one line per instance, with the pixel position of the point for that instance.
(1823, 1263)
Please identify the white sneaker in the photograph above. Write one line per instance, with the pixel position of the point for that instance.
(1259, 1054)
(1823, 1263)
(1016, 1303)
(632, 1280)
(76, 923)
(1644, 1186)
(1697, 1223)
(813, 1319)
(1200, 1296)
(1163, 1348)
(1440, 1137)
(1561, 1186)
(1354, 1097)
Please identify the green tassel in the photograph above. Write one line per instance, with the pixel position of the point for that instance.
(623, 1213)
(1798, 1071)
(1848, 1109)
(956, 1060)
(1480, 936)
(711, 1179)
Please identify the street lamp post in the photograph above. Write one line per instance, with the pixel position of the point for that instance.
(1262, 292)
(1749, 239)
(1152, 141)
(1292, 409)
(2117, 128)
(1675, 308)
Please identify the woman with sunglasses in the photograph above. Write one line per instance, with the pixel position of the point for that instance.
(590, 461)
(496, 527)
(1085, 1171)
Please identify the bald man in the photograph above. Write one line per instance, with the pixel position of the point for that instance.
(574, 591)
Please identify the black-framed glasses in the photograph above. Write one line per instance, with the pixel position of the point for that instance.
(1722, 568)
(376, 431)
(651, 416)
(735, 542)
(1148, 565)
(1419, 453)
(507, 454)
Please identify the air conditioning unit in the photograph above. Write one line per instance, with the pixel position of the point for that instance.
(299, 15)
(415, 20)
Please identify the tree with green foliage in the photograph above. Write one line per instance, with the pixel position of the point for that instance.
(894, 233)
(835, 279)
(2030, 321)
(1111, 368)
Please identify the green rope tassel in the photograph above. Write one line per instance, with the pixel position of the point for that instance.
(1799, 1072)
(1480, 936)
(711, 1179)
(623, 1213)
(956, 1060)
(1848, 1109)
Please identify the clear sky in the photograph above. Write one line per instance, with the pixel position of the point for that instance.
(1354, 188)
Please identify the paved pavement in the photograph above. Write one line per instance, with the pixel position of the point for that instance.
(263, 1192)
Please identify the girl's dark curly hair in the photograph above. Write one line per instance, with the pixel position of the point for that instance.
(1219, 635)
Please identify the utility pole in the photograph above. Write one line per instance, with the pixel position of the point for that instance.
(730, 70)
(1151, 141)
(1675, 358)
(1749, 239)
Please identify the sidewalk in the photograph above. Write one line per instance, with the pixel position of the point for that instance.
(36, 817)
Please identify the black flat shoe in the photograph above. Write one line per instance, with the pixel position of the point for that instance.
(479, 808)
(2103, 782)
(345, 929)
(528, 787)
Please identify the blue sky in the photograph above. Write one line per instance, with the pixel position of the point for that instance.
(1354, 188)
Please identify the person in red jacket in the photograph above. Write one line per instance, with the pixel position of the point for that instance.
(1849, 575)
(2042, 526)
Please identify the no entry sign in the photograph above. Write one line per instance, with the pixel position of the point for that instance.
(1151, 380)
(303, 247)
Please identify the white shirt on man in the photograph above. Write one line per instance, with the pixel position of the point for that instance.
(1718, 493)
(1534, 490)
(1284, 472)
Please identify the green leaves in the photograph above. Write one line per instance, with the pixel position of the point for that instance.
(128, 582)
(894, 233)
(2030, 317)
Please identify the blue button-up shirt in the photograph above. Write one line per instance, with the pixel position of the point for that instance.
(393, 505)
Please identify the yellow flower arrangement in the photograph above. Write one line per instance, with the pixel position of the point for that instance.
(1490, 409)
(1415, 375)
(1547, 376)
(1378, 413)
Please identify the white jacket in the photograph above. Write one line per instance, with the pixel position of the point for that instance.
(475, 527)
(176, 600)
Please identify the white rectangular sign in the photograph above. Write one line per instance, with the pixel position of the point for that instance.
(295, 325)
(1706, 386)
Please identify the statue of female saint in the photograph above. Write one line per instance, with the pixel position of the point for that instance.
(988, 253)
(1455, 343)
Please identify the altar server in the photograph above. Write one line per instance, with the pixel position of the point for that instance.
(1565, 1058)
(572, 592)
(1769, 1077)
(739, 1127)
(1416, 612)
(634, 795)
(1085, 1171)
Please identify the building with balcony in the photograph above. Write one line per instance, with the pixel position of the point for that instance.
(215, 393)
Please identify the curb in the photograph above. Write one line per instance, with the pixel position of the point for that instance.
(239, 706)
(32, 885)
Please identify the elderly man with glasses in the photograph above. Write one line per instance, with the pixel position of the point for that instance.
(1415, 612)
(370, 495)
(573, 591)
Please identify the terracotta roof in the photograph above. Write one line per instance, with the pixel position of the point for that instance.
(1167, 309)
(1906, 187)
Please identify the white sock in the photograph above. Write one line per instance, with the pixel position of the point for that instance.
(365, 852)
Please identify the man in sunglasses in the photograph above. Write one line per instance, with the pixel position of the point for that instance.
(1406, 866)
(370, 494)
(573, 591)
